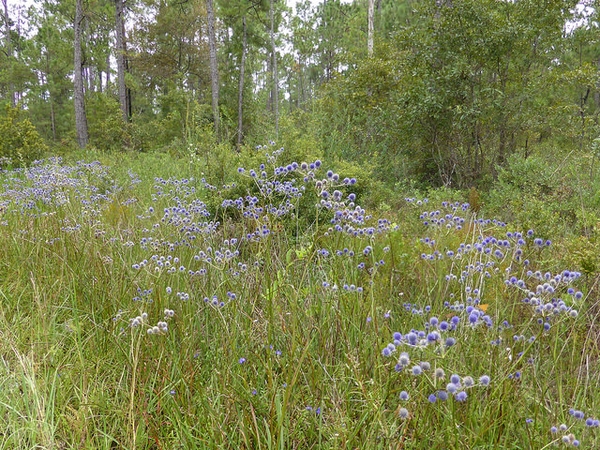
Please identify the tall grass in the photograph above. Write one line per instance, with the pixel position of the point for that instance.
(150, 309)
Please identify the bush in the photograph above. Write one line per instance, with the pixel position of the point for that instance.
(20, 142)
(107, 129)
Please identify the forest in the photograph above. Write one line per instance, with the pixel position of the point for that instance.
(252, 224)
(432, 93)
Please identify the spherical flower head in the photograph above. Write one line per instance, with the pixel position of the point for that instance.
(455, 379)
(432, 398)
(242, 360)
(442, 395)
(450, 342)
(468, 381)
(412, 338)
(589, 422)
(404, 359)
(553, 430)
(473, 317)
(403, 413)
(452, 388)
(404, 396)
(578, 415)
(433, 336)
(386, 352)
(461, 396)
(425, 365)
(416, 370)
(439, 373)
(484, 380)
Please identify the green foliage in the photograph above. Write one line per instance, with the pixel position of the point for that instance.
(456, 91)
(119, 346)
(19, 140)
(105, 125)
(548, 192)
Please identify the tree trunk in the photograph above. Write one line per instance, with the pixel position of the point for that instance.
(107, 71)
(9, 51)
(241, 86)
(50, 98)
(80, 117)
(597, 93)
(275, 77)
(124, 97)
(370, 27)
(214, 69)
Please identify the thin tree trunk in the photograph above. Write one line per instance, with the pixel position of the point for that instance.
(124, 98)
(241, 86)
(214, 69)
(50, 99)
(80, 117)
(301, 94)
(274, 69)
(370, 27)
(9, 51)
(107, 71)
(597, 93)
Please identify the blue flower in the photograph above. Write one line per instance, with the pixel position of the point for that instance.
(461, 396)
(484, 380)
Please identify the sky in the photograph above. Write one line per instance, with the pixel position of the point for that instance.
(314, 2)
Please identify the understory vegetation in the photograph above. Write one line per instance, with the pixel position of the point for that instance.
(366, 224)
(266, 302)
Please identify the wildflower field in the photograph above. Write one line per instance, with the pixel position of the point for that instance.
(145, 308)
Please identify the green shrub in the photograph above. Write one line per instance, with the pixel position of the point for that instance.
(107, 129)
(19, 140)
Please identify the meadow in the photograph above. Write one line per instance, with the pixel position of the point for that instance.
(146, 307)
